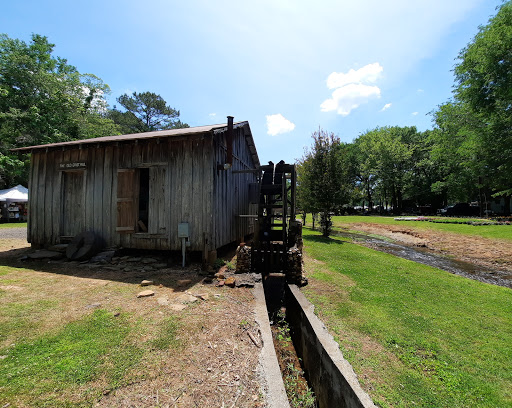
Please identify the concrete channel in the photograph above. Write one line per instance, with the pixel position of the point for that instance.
(275, 393)
(330, 376)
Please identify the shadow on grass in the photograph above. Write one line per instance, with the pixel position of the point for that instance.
(321, 239)
(172, 276)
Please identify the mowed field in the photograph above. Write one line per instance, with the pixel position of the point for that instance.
(415, 335)
(485, 245)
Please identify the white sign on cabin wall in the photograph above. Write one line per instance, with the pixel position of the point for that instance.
(72, 166)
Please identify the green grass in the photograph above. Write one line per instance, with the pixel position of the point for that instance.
(484, 231)
(14, 225)
(166, 337)
(48, 363)
(46, 369)
(416, 336)
(20, 319)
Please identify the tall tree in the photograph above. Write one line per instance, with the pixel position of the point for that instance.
(458, 154)
(145, 112)
(484, 81)
(322, 177)
(385, 161)
(43, 99)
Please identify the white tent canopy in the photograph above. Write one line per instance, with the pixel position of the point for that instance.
(18, 194)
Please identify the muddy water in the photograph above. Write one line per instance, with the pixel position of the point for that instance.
(428, 257)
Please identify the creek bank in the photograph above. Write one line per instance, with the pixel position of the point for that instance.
(493, 253)
(425, 255)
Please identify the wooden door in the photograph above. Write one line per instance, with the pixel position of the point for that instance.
(73, 203)
(158, 211)
(126, 200)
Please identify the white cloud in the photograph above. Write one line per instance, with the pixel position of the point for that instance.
(367, 74)
(212, 115)
(349, 97)
(351, 89)
(385, 107)
(277, 124)
(420, 91)
(414, 113)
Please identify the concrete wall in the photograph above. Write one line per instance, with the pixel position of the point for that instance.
(270, 373)
(332, 378)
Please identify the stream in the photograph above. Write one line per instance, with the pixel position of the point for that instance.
(429, 257)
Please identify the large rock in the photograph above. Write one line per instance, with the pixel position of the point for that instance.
(45, 254)
(146, 282)
(58, 248)
(231, 281)
(83, 246)
(186, 298)
(145, 293)
(105, 256)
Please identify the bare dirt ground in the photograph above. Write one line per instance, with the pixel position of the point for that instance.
(480, 251)
(218, 363)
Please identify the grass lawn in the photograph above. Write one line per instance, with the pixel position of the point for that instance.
(13, 225)
(54, 358)
(485, 231)
(73, 336)
(415, 335)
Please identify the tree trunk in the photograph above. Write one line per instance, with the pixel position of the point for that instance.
(326, 223)
(480, 197)
(507, 205)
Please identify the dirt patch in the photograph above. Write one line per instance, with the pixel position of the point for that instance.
(216, 362)
(481, 251)
(216, 368)
(11, 244)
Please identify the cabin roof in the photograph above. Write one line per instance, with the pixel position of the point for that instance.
(184, 132)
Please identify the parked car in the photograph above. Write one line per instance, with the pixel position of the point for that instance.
(461, 209)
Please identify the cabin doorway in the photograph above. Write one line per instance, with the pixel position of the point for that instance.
(72, 203)
(142, 207)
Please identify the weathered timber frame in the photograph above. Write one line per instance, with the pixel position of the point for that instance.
(186, 184)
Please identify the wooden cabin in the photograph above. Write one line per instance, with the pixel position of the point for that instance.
(138, 190)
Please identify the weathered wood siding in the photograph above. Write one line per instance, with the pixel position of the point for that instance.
(180, 183)
(184, 186)
(231, 191)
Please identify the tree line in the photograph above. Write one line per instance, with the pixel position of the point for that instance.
(466, 156)
(44, 99)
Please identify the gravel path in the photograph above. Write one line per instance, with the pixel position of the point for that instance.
(13, 233)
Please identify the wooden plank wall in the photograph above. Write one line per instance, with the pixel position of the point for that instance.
(231, 191)
(181, 170)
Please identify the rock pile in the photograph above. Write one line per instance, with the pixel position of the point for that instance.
(243, 259)
(295, 272)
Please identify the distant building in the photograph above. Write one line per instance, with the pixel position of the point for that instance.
(498, 205)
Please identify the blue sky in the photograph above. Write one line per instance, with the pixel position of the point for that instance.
(287, 67)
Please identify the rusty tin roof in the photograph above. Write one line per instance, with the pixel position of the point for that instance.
(137, 136)
(151, 135)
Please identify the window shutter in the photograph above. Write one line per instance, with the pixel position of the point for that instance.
(126, 200)
(157, 203)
